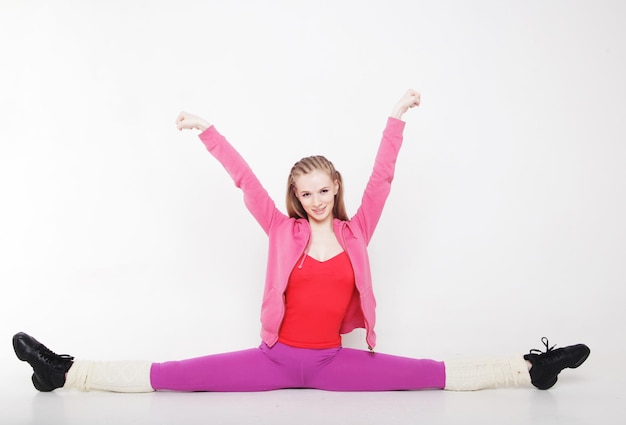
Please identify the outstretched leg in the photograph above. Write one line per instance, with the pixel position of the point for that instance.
(257, 369)
(356, 370)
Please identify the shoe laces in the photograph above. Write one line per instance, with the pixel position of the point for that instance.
(547, 347)
(48, 355)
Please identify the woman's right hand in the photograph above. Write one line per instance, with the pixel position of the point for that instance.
(187, 121)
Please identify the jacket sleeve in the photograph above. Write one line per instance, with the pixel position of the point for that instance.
(379, 184)
(256, 198)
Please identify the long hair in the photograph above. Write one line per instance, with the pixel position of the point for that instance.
(305, 166)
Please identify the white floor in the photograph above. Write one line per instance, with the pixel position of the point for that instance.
(591, 394)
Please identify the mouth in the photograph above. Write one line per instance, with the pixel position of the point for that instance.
(318, 211)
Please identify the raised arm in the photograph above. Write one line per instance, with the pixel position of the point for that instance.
(379, 184)
(256, 198)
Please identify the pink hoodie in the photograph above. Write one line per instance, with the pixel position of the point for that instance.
(288, 237)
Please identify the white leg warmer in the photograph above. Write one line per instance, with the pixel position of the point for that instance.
(471, 374)
(116, 376)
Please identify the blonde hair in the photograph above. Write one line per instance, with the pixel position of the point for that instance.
(305, 166)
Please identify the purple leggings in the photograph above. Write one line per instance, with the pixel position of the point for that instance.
(282, 366)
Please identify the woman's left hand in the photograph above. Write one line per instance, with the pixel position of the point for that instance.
(410, 99)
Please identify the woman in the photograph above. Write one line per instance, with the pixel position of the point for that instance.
(318, 286)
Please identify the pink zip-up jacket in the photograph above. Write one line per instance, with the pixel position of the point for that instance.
(289, 237)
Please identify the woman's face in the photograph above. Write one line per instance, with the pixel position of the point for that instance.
(316, 192)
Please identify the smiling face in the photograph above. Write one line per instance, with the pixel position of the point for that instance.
(317, 182)
(316, 192)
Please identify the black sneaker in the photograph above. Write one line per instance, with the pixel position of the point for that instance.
(546, 365)
(49, 368)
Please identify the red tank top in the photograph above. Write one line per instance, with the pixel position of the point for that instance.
(316, 300)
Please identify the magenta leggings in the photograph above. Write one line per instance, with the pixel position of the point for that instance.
(282, 366)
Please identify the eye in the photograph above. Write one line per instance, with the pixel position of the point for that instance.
(325, 190)
(305, 195)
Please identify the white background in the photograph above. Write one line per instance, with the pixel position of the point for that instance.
(122, 238)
